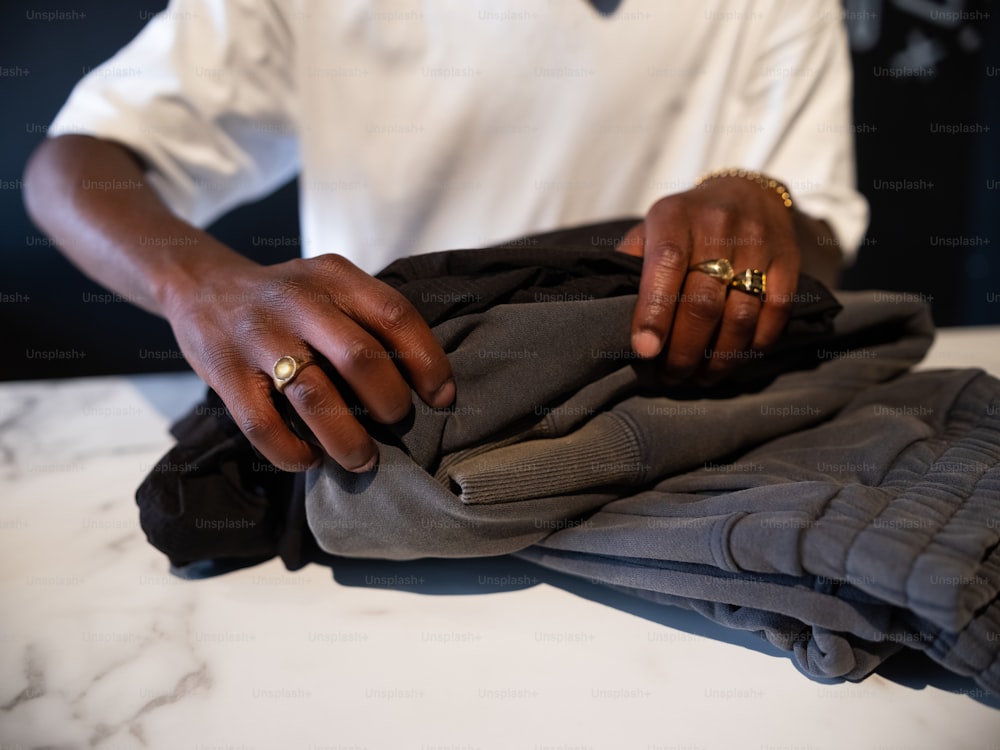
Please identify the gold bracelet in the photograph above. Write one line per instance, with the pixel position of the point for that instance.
(748, 174)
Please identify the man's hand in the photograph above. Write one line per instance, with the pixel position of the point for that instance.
(234, 318)
(702, 328)
(234, 325)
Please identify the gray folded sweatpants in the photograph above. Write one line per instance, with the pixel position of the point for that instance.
(845, 509)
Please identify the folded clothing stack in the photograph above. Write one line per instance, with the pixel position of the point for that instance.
(823, 495)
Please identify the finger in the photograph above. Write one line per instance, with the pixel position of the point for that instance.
(633, 241)
(249, 402)
(701, 306)
(367, 368)
(333, 423)
(698, 315)
(781, 282)
(740, 314)
(667, 251)
(735, 334)
(391, 319)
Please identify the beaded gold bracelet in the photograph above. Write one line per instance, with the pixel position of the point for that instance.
(748, 174)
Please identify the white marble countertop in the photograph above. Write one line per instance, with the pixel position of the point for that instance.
(101, 648)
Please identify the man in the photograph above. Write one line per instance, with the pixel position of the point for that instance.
(419, 126)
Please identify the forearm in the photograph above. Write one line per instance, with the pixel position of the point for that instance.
(91, 197)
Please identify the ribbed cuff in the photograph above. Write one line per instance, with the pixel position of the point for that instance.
(603, 452)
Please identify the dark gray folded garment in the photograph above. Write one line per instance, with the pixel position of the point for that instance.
(845, 509)
(554, 419)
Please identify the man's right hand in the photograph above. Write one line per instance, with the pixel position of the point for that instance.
(234, 325)
(234, 318)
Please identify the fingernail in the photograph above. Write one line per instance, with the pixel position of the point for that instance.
(445, 394)
(646, 344)
(372, 462)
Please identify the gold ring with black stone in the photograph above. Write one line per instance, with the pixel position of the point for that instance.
(750, 281)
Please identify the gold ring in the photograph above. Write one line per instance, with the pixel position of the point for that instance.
(286, 369)
(751, 281)
(720, 269)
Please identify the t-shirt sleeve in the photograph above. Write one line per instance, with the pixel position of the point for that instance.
(795, 116)
(205, 95)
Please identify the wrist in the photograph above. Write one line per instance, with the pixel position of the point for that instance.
(194, 262)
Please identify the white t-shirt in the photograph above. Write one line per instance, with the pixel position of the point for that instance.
(422, 125)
